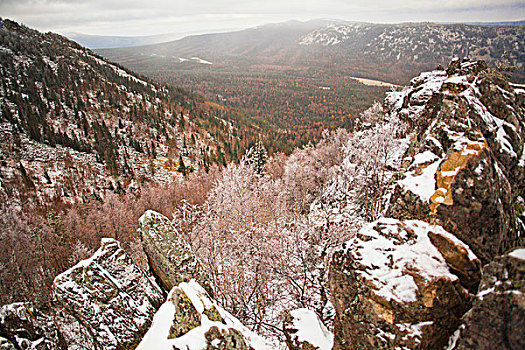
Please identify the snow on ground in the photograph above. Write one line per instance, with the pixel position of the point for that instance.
(425, 157)
(193, 59)
(119, 71)
(424, 183)
(200, 60)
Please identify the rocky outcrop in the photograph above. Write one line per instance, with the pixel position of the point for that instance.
(25, 327)
(406, 281)
(190, 320)
(395, 288)
(303, 330)
(110, 297)
(497, 318)
(466, 168)
(170, 258)
(107, 302)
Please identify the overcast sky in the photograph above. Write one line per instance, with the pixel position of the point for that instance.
(147, 17)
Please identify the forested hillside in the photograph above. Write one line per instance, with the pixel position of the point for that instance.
(76, 127)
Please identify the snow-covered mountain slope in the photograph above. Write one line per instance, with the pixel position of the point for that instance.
(423, 42)
(420, 41)
(74, 126)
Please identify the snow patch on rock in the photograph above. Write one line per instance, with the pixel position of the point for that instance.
(388, 248)
(195, 339)
(310, 329)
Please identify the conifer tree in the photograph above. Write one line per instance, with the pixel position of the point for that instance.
(182, 168)
(256, 157)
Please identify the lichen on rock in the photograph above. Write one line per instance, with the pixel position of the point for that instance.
(225, 339)
(191, 320)
(186, 316)
(170, 258)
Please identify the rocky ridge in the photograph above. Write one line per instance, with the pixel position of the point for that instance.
(406, 280)
(469, 132)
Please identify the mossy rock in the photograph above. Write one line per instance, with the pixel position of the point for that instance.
(186, 316)
(213, 314)
(225, 339)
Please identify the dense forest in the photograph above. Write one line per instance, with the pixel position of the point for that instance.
(299, 106)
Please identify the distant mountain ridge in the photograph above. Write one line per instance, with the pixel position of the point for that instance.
(109, 41)
(505, 23)
(391, 52)
(115, 41)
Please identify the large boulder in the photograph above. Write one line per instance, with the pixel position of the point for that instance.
(401, 284)
(23, 326)
(191, 320)
(170, 258)
(497, 318)
(110, 296)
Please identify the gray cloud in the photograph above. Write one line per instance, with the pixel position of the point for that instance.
(134, 17)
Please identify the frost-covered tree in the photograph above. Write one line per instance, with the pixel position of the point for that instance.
(372, 115)
(263, 255)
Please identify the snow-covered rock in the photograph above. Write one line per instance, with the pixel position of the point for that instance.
(169, 257)
(110, 296)
(304, 330)
(399, 284)
(464, 170)
(24, 327)
(406, 280)
(497, 318)
(191, 320)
